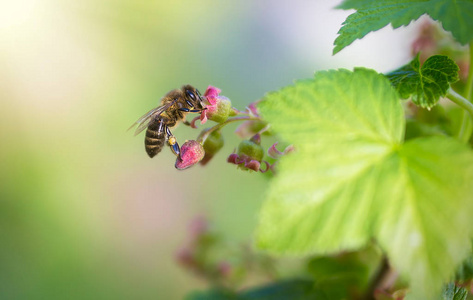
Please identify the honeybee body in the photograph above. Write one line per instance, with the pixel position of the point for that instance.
(155, 137)
(174, 107)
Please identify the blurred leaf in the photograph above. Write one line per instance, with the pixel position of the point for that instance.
(372, 15)
(424, 226)
(292, 289)
(465, 271)
(296, 289)
(351, 180)
(455, 115)
(453, 292)
(423, 122)
(215, 294)
(344, 276)
(415, 129)
(427, 84)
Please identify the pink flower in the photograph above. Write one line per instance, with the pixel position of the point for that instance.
(275, 153)
(197, 227)
(191, 153)
(253, 109)
(212, 94)
(219, 107)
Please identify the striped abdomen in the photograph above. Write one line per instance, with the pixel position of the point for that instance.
(155, 137)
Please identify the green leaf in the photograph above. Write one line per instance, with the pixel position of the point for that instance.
(341, 123)
(371, 15)
(346, 275)
(465, 271)
(453, 292)
(424, 196)
(427, 84)
(351, 180)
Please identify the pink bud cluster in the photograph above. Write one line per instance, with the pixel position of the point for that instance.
(250, 153)
(209, 256)
(195, 255)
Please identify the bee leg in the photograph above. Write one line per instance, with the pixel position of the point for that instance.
(173, 144)
(184, 109)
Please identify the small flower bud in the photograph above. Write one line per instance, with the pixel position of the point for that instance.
(249, 128)
(253, 109)
(249, 155)
(251, 150)
(224, 269)
(275, 153)
(212, 145)
(251, 165)
(198, 226)
(220, 111)
(191, 153)
(233, 159)
(256, 139)
(185, 257)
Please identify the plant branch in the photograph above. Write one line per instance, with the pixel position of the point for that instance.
(205, 133)
(466, 127)
(460, 101)
(469, 83)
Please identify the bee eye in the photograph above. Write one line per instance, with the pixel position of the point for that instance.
(190, 94)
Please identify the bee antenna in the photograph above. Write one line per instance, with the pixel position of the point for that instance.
(198, 94)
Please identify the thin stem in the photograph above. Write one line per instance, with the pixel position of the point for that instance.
(469, 83)
(239, 112)
(264, 129)
(205, 133)
(466, 127)
(460, 101)
(383, 279)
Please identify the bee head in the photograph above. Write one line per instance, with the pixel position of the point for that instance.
(193, 95)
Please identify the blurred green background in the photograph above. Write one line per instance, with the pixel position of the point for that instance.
(84, 213)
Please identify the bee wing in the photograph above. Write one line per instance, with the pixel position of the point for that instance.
(144, 121)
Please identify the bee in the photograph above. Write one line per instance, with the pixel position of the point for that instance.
(174, 107)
